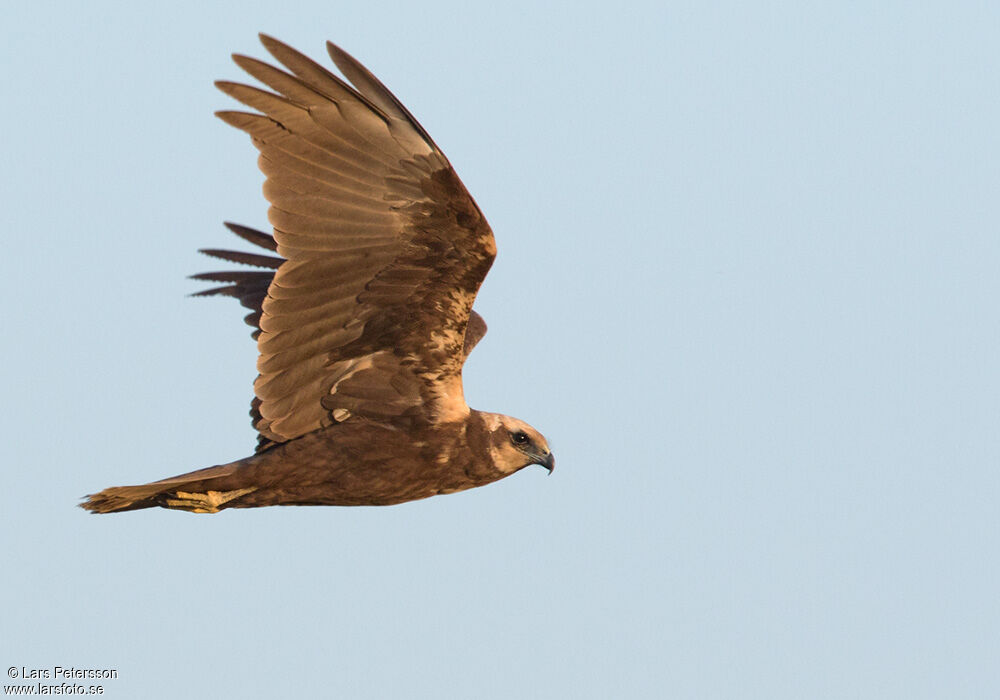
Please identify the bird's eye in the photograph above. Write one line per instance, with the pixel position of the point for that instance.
(519, 438)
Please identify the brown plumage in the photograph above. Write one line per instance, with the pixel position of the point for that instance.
(362, 313)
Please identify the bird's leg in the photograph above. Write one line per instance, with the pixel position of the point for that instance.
(207, 502)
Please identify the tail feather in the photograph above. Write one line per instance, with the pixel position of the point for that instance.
(121, 498)
(202, 491)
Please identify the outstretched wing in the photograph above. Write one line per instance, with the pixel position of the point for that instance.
(382, 252)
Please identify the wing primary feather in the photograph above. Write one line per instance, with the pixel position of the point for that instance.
(300, 92)
(250, 235)
(313, 73)
(373, 89)
(243, 258)
(233, 276)
(231, 290)
(301, 120)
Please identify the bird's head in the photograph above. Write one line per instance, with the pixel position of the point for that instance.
(514, 444)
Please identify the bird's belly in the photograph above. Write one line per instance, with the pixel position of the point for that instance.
(293, 479)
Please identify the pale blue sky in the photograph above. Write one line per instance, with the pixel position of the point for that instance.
(747, 286)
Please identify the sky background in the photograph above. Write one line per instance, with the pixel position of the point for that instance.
(747, 286)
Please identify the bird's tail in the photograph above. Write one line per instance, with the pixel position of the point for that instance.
(202, 491)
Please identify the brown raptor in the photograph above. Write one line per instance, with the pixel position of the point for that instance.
(362, 308)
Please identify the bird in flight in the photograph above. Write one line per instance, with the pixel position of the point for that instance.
(362, 308)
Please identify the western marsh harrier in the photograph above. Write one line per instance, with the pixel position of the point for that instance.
(362, 310)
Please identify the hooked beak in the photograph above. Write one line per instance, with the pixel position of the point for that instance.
(548, 461)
